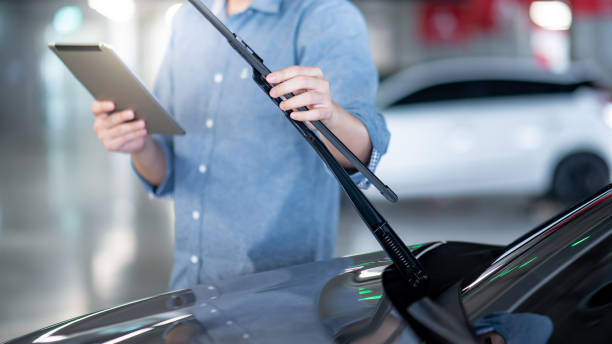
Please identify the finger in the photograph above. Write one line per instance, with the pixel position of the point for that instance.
(116, 119)
(123, 129)
(99, 122)
(123, 144)
(293, 71)
(310, 115)
(306, 99)
(101, 107)
(300, 83)
(115, 144)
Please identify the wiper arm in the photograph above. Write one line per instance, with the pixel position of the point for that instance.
(408, 266)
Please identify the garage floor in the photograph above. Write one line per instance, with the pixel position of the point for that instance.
(77, 233)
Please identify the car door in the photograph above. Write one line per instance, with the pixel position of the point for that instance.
(445, 140)
(471, 137)
(518, 124)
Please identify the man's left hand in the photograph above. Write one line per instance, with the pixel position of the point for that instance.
(311, 90)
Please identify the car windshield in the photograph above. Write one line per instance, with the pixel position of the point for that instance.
(549, 249)
(479, 89)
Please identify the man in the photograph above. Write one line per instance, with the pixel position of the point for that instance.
(250, 194)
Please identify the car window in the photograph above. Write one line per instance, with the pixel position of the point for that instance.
(475, 89)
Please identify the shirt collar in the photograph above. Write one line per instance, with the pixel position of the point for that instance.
(269, 6)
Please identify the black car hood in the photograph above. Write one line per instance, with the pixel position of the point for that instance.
(310, 303)
(560, 270)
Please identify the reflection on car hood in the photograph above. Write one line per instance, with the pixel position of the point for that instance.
(341, 299)
(269, 307)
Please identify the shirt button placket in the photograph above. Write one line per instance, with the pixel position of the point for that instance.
(218, 79)
(202, 168)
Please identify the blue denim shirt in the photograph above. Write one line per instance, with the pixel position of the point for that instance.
(249, 193)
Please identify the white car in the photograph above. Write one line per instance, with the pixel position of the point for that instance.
(495, 126)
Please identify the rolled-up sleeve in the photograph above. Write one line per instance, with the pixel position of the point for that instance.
(333, 36)
(163, 91)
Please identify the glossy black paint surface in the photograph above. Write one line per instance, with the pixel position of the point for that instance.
(562, 270)
(270, 307)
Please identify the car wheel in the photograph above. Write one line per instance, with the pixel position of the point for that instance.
(579, 176)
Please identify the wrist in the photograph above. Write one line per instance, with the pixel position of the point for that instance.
(146, 147)
(335, 118)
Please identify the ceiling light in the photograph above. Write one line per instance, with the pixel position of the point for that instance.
(551, 15)
(67, 19)
(115, 10)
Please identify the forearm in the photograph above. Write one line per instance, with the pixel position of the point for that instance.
(352, 132)
(150, 162)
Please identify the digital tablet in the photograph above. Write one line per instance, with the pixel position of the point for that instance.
(107, 78)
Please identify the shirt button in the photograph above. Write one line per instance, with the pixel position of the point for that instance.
(194, 259)
(195, 215)
(218, 78)
(210, 123)
(202, 169)
(244, 74)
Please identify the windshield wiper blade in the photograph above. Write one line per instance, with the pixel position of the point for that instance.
(406, 263)
(260, 71)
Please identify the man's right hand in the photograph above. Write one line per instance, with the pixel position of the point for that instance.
(116, 130)
(119, 133)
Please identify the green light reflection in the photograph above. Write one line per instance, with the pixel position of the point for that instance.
(529, 261)
(502, 274)
(371, 298)
(372, 262)
(580, 241)
(365, 292)
(509, 270)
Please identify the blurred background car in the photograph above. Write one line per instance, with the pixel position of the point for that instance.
(495, 126)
